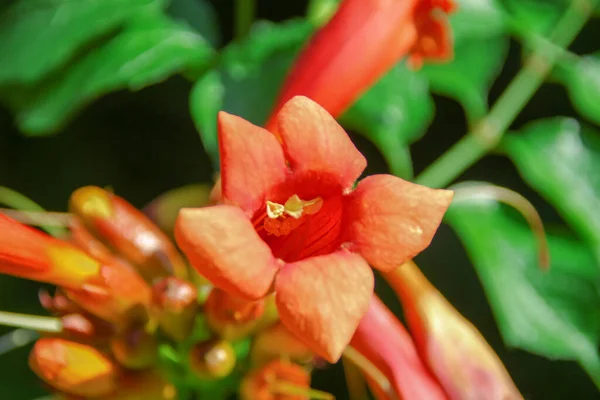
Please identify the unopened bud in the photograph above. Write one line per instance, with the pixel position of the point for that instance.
(212, 359)
(460, 358)
(278, 342)
(175, 304)
(58, 304)
(73, 368)
(279, 380)
(143, 385)
(128, 232)
(230, 316)
(135, 348)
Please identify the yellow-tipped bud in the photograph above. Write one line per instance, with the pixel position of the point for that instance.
(128, 232)
(73, 368)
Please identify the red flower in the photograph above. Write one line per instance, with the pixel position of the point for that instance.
(451, 346)
(384, 341)
(292, 221)
(363, 40)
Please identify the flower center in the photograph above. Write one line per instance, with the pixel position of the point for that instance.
(300, 228)
(278, 222)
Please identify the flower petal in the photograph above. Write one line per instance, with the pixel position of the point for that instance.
(314, 142)
(252, 162)
(389, 220)
(222, 245)
(322, 299)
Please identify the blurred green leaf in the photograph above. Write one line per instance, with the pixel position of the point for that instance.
(562, 162)
(582, 80)
(38, 36)
(200, 15)
(321, 11)
(392, 114)
(480, 50)
(537, 16)
(147, 51)
(556, 313)
(165, 208)
(247, 78)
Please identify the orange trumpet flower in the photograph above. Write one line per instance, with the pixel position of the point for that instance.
(363, 40)
(293, 221)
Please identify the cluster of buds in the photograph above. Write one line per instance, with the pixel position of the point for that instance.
(136, 322)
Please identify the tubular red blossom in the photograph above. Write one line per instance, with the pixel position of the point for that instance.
(74, 368)
(363, 40)
(127, 231)
(452, 347)
(28, 253)
(382, 339)
(292, 221)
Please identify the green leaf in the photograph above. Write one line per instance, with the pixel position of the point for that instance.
(556, 313)
(561, 160)
(321, 11)
(150, 49)
(582, 80)
(539, 16)
(479, 53)
(38, 36)
(247, 79)
(395, 112)
(200, 15)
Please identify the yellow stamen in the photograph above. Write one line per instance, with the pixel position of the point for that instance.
(295, 207)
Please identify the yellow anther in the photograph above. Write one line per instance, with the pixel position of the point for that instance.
(274, 210)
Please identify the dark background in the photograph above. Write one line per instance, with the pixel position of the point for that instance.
(144, 143)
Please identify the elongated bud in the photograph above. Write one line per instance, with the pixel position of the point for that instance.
(116, 294)
(128, 232)
(230, 316)
(73, 368)
(175, 304)
(31, 254)
(386, 344)
(86, 328)
(278, 342)
(279, 380)
(212, 359)
(135, 348)
(455, 351)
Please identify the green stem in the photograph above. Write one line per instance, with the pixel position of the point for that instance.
(16, 339)
(244, 16)
(487, 134)
(17, 201)
(33, 322)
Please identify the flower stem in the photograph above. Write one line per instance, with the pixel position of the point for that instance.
(33, 322)
(17, 338)
(244, 16)
(487, 134)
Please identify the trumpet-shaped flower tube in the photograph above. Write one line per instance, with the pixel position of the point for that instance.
(384, 341)
(452, 347)
(292, 221)
(363, 40)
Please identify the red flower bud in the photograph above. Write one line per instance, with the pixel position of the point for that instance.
(452, 347)
(135, 348)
